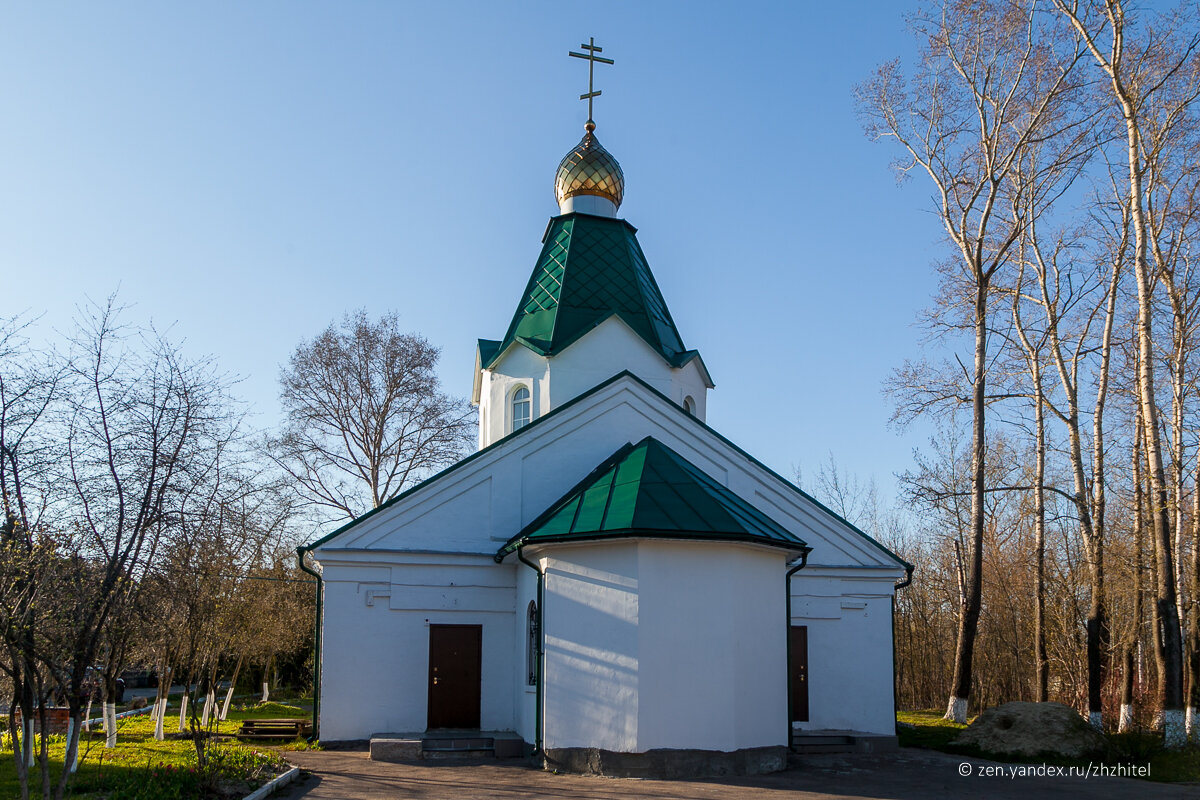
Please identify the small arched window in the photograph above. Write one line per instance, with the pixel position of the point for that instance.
(520, 408)
(689, 405)
(531, 647)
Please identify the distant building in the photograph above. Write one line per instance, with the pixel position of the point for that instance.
(606, 578)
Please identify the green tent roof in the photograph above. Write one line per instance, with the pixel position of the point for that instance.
(589, 269)
(648, 489)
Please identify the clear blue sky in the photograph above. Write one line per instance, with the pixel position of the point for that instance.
(249, 171)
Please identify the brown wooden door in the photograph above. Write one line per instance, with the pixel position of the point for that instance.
(455, 674)
(798, 657)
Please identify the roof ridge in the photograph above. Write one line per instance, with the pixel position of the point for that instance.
(642, 267)
(562, 286)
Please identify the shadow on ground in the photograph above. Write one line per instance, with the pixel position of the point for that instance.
(910, 774)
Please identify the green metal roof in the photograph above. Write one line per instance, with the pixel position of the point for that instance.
(647, 489)
(589, 269)
(488, 350)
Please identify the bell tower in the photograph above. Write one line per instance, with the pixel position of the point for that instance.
(591, 308)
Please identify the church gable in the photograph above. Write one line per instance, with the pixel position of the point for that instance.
(479, 504)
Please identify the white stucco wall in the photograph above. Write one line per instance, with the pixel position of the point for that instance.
(713, 646)
(375, 657)
(849, 623)
(524, 695)
(375, 651)
(520, 366)
(609, 348)
(662, 644)
(591, 619)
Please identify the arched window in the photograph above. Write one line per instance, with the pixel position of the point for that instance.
(520, 408)
(689, 405)
(531, 647)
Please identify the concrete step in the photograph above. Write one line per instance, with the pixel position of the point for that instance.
(821, 741)
(451, 755)
(458, 744)
(446, 745)
(812, 742)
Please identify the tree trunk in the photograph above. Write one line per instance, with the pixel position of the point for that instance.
(110, 724)
(237, 670)
(266, 683)
(209, 697)
(1041, 659)
(160, 702)
(968, 621)
(1193, 710)
(1131, 649)
(1169, 655)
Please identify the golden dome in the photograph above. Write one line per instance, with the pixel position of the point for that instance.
(589, 169)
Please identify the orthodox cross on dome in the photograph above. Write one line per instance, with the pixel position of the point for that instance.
(591, 58)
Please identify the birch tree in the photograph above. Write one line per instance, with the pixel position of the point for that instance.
(1152, 76)
(991, 82)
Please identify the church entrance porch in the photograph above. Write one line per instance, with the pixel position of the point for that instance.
(455, 676)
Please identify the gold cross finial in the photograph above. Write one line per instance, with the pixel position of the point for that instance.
(591, 58)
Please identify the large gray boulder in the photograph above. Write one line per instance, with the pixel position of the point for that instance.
(1034, 729)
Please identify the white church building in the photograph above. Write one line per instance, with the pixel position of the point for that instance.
(608, 583)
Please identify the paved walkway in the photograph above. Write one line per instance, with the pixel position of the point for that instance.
(907, 775)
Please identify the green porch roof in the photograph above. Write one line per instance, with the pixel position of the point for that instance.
(589, 269)
(647, 489)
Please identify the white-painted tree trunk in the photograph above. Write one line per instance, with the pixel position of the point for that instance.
(183, 712)
(266, 691)
(208, 703)
(237, 671)
(1096, 720)
(225, 705)
(1125, 721)
(1174, 730)
(110, 725)
(87, 715)
(71, 767)
(956, 710)
(160, 713)
(1193, 723)
(27, 741)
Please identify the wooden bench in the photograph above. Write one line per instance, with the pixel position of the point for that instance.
(262, 729)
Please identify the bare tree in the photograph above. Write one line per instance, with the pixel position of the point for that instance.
(1153, 76)
(95, 459)
(365, 416)
(28, 558)
(1033, 344)
(991, 83)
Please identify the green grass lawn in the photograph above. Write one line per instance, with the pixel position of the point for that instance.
(932, 732)
(141, 768)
